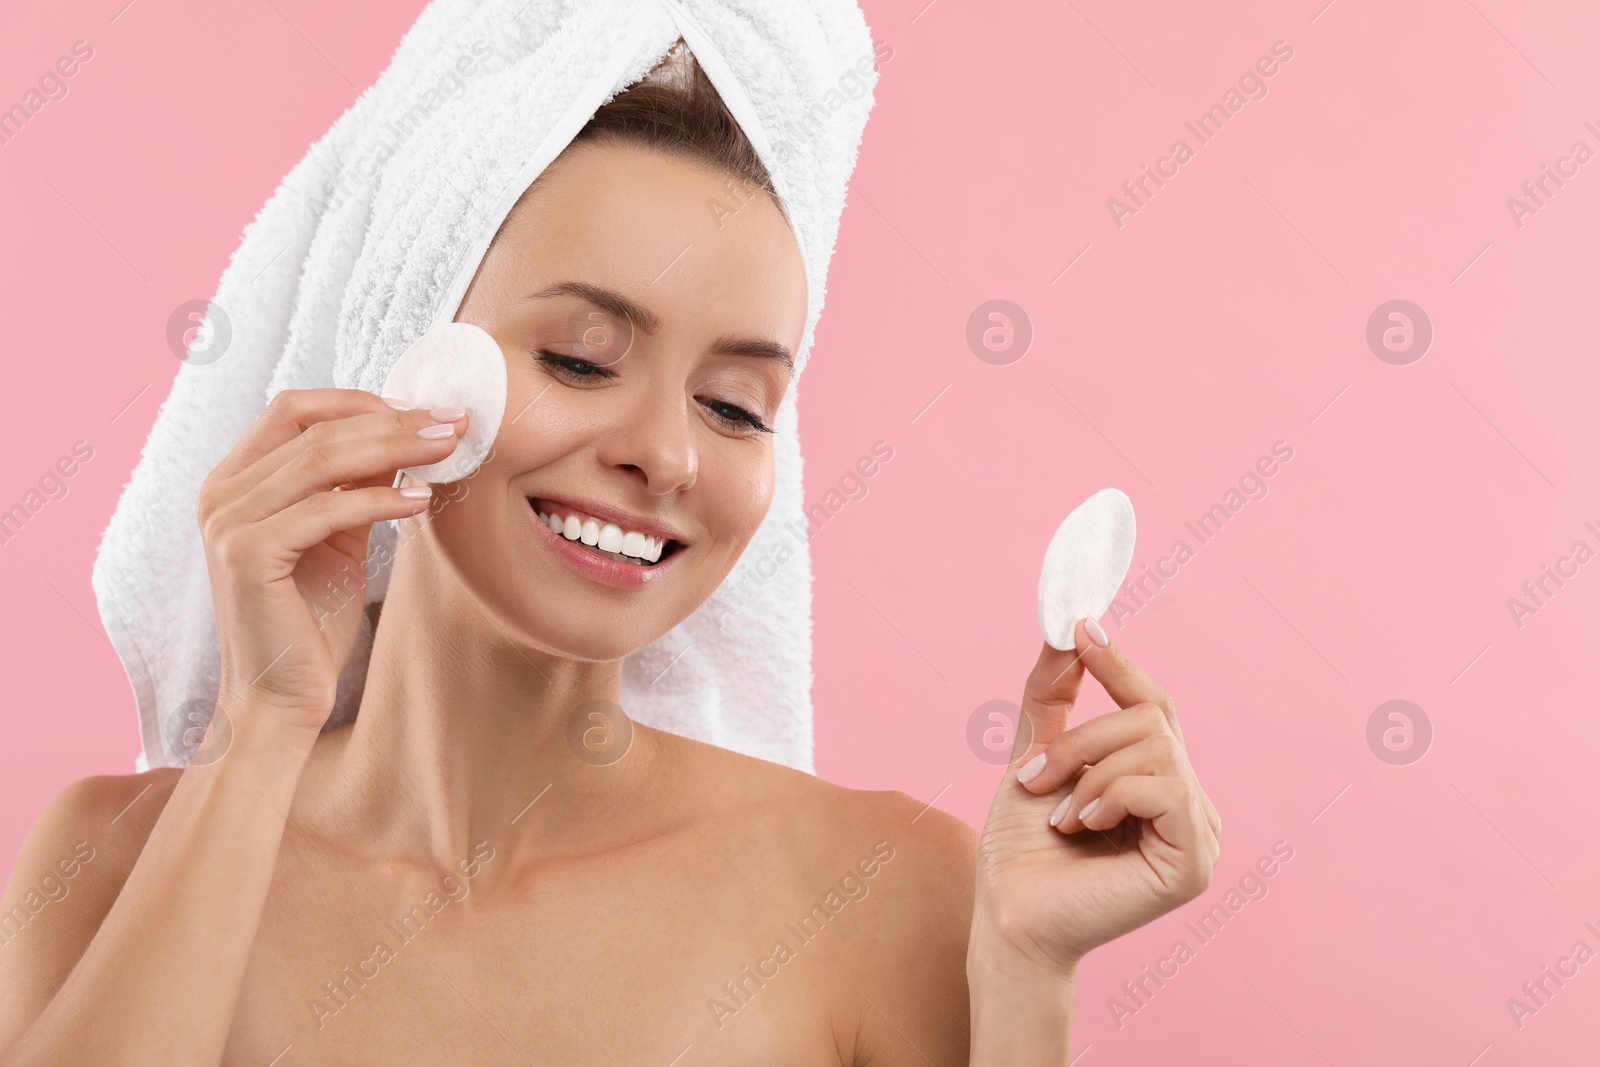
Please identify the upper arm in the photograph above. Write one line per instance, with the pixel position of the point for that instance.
(909, 973)
(71, 868)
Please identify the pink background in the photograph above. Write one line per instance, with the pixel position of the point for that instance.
(1227, 314)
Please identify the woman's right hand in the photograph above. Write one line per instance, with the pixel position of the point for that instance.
(285, 519)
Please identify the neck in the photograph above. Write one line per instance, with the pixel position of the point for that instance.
(465, 735)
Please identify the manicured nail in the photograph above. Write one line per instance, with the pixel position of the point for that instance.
(1030, 770)
(1063, 809)
(417, 492)
(437, 432)
(1097, 635)
(1088, 811)
(398, 405)
(450, 414)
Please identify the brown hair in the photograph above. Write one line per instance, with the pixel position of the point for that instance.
(674, 108)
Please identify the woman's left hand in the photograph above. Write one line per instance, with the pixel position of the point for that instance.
(1097, 829)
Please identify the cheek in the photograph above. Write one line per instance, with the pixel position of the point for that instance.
(548, 424)
(544, 420)
(739, 495)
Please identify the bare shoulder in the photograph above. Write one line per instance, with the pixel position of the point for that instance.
(106, 815)
(71, 867)
(932, 853)
(816, 822)
(111, 814)
(901, 989)
(891, 879)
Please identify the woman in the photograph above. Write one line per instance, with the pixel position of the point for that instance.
(492, 863)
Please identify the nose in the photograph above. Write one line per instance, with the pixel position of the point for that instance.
(656, 438)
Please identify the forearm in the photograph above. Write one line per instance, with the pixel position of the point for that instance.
(160, 980)
(1021, 1010)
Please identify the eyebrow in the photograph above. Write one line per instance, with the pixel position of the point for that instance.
(644, 319)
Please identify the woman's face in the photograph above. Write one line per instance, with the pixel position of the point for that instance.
(653, 422)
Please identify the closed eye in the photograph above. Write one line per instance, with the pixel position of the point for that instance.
(575, 369)
(734, 415)
(572, 366)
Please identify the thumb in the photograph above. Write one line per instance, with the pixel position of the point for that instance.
(1049, 695)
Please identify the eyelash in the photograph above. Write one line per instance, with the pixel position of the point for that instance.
(580, 368)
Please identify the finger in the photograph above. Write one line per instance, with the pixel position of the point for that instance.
(288, 414)
(1048, 697)
(1091, 742)
(364, 451)
(1158, 755)
(1170, 803)
(1214, 821)
(1122, 678)
(316, 518)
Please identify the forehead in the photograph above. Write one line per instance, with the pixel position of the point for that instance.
(691, 242)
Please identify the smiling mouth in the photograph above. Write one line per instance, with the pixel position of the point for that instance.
(604, 538)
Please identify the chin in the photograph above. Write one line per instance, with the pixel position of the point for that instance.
(572, 617)
(590, 643)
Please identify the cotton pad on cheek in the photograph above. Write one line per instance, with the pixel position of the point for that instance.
(1085, 564)
(457, 363)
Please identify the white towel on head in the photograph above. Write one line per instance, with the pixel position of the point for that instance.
(372, 239)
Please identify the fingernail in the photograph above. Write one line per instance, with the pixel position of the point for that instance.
(1031, 769)
(1097, 635)
(417, 492)
(449, 414)
(438, 432)
(1088, 810)
(1063, 809)
(398, 405)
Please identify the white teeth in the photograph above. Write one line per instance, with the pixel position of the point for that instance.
(606, 537)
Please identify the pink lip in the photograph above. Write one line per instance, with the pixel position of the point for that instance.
(597, 567)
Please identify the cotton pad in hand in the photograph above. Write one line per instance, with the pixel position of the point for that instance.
(1085, 564)
(457, 363)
